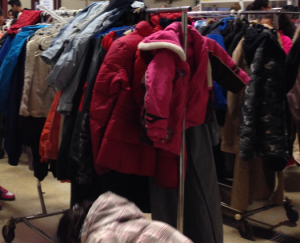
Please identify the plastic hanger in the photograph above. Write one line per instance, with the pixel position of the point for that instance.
(53, 14)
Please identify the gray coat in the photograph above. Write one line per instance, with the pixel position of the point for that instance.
(67, 71)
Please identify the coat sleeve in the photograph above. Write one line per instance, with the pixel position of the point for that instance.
(224, 70)
(29, 69)
(159, 85)
(112, 76)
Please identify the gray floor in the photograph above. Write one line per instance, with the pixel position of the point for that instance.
(20, 181)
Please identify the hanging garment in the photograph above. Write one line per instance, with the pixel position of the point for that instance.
(250, 181)
(238, 25)
(164, 113)
(65, 167)
(27, 18)
(9, 65)
(81, 146)
(115, 219)
(31, 129)
(114, 118)
(202, 211)
(49, 140)
(220, 94)
(231, 132)
(263, 128)
(292, 65)
(286, 42)
(237, 38)
(65, 74)
(67, 33)
(4, 49)
(37, 95)
(12, 131)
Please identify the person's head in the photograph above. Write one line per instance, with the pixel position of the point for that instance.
(16, 6)
(284, 23)
(267, 19)
(235, 7)
(263, 5)
(249, 7)
(11, 14)
(163, 6)
(71, 223)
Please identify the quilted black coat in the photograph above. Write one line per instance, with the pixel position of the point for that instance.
(263, 122)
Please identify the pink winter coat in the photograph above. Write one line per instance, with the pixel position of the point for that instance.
(286, 42)
(175, 80)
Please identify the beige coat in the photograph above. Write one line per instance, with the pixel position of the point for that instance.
(37, 95)
(251, 180)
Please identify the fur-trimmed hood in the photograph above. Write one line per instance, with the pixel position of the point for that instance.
(169, 39)
(203, 62)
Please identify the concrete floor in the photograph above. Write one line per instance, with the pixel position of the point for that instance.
(21, 181)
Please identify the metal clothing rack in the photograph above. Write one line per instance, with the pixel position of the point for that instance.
(8, 230)
(245, 229)
(180, 209)
(275, 14)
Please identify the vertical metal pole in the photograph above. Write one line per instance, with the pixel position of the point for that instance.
(180, 210)
(275, 21)
(39, 187)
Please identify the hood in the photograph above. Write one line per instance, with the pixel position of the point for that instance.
(261, 35)
(107, 209)
(223, 24)
(254, 37)
(166, 39)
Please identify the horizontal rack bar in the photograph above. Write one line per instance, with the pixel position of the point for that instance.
(240, 12)
(168, 10)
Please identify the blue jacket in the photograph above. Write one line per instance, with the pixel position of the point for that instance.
(10, 62)
(5, 48)
(220, 94)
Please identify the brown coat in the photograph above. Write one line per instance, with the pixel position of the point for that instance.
(251, 180)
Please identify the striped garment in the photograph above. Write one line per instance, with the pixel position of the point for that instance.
(114, 219)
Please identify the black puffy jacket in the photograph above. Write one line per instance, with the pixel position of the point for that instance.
(263, 122)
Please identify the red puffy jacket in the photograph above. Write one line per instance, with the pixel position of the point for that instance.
(114, 114)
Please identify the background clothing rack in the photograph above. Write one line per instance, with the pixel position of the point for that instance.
(245, 229)
(180, 211)
(238, 13)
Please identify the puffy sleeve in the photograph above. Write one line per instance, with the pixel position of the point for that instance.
(159, 86)
(224, 70)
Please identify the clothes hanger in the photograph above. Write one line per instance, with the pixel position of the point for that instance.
(52, 13)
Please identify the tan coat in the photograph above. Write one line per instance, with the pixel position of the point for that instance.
(251, 180)
(37, 95)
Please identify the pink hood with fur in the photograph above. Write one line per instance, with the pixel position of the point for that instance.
(175, 80)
